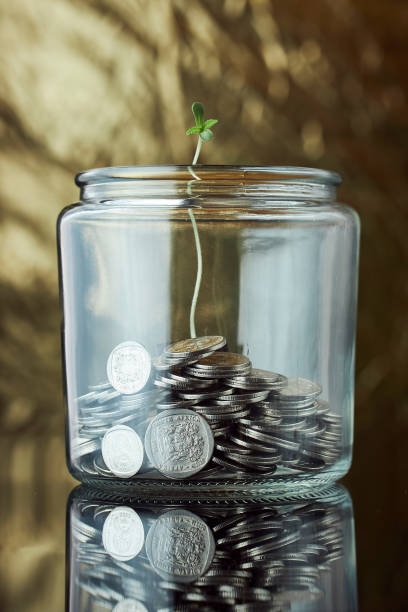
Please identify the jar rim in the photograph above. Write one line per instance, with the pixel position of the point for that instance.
(224, 173)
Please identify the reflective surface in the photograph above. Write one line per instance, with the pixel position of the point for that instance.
(136, 556)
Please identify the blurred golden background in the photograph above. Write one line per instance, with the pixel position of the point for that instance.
(88, 83)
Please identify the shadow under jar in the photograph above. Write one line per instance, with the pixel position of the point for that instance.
(209, 328)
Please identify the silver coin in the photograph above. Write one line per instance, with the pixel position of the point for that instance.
(179, 443)
(269, 439)
(241, 398)
(300, 594)
(322, 407)
(82, 530)
(178, 385)
(88, 466)
(129, 605)
(100, 386)
(100, 467)
(258, 379)
(128, 368)
(171, 402)
(212, 375)
(187, 380)
(122, 451)
(107, 396)
(223, 361)
(207, 394)
(123, 533)
(219, 410)
(220, 428)
(162, 364)
(234, 415)
(88, 398)
(84, 447)
(194, 346)
(230, 466)
(180, 546)
(299, 389)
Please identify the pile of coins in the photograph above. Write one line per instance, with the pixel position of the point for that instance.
(233, 558)
(202, 412)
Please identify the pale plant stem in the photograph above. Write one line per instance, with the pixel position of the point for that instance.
(197, 151)
(199, 275)
(193, 333)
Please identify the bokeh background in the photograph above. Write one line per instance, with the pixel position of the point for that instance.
(88, 83)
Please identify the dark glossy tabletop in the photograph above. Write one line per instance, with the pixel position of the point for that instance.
(36, 555)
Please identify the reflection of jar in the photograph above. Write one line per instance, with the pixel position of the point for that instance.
(297, 555)
(275, 290)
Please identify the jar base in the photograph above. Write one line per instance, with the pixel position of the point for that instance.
(279, 488)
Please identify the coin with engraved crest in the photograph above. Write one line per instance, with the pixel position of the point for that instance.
(122, 451)
(195, 346)
(123, 533)
(128, 368)
(179, 443)
(129, 605)
(180, 546)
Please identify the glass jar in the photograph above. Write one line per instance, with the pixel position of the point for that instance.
(209, 327)
(127, 555)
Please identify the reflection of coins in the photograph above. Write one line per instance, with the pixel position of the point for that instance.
(129, 605)
(128, 367)
(179, 443)
(122, 451)
(180, 546)
(123, 533)
(195, 346)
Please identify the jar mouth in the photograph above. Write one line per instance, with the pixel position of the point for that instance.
(182, 181)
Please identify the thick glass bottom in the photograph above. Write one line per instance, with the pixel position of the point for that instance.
(276, 487)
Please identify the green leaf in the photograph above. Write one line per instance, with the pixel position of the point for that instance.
(198, 112)
(206, 135)
(209, 123)
(194, 130)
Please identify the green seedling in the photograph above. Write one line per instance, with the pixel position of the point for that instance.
(205, 134)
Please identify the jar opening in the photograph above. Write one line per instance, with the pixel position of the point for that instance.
(174, 181)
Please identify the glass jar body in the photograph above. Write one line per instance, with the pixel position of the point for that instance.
(277, 279)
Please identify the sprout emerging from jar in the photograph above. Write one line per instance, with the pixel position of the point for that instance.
(202, 128)
(205, 134)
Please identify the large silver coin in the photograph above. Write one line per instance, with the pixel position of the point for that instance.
(129, 367)
(180, 546)
(129, 605)
(123, 533)
(195, 346)
(122, 451)
(179, 443)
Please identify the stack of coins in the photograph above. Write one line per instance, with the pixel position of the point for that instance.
(261, 421)
(102, 409)
(260, 558)
(199, 411)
